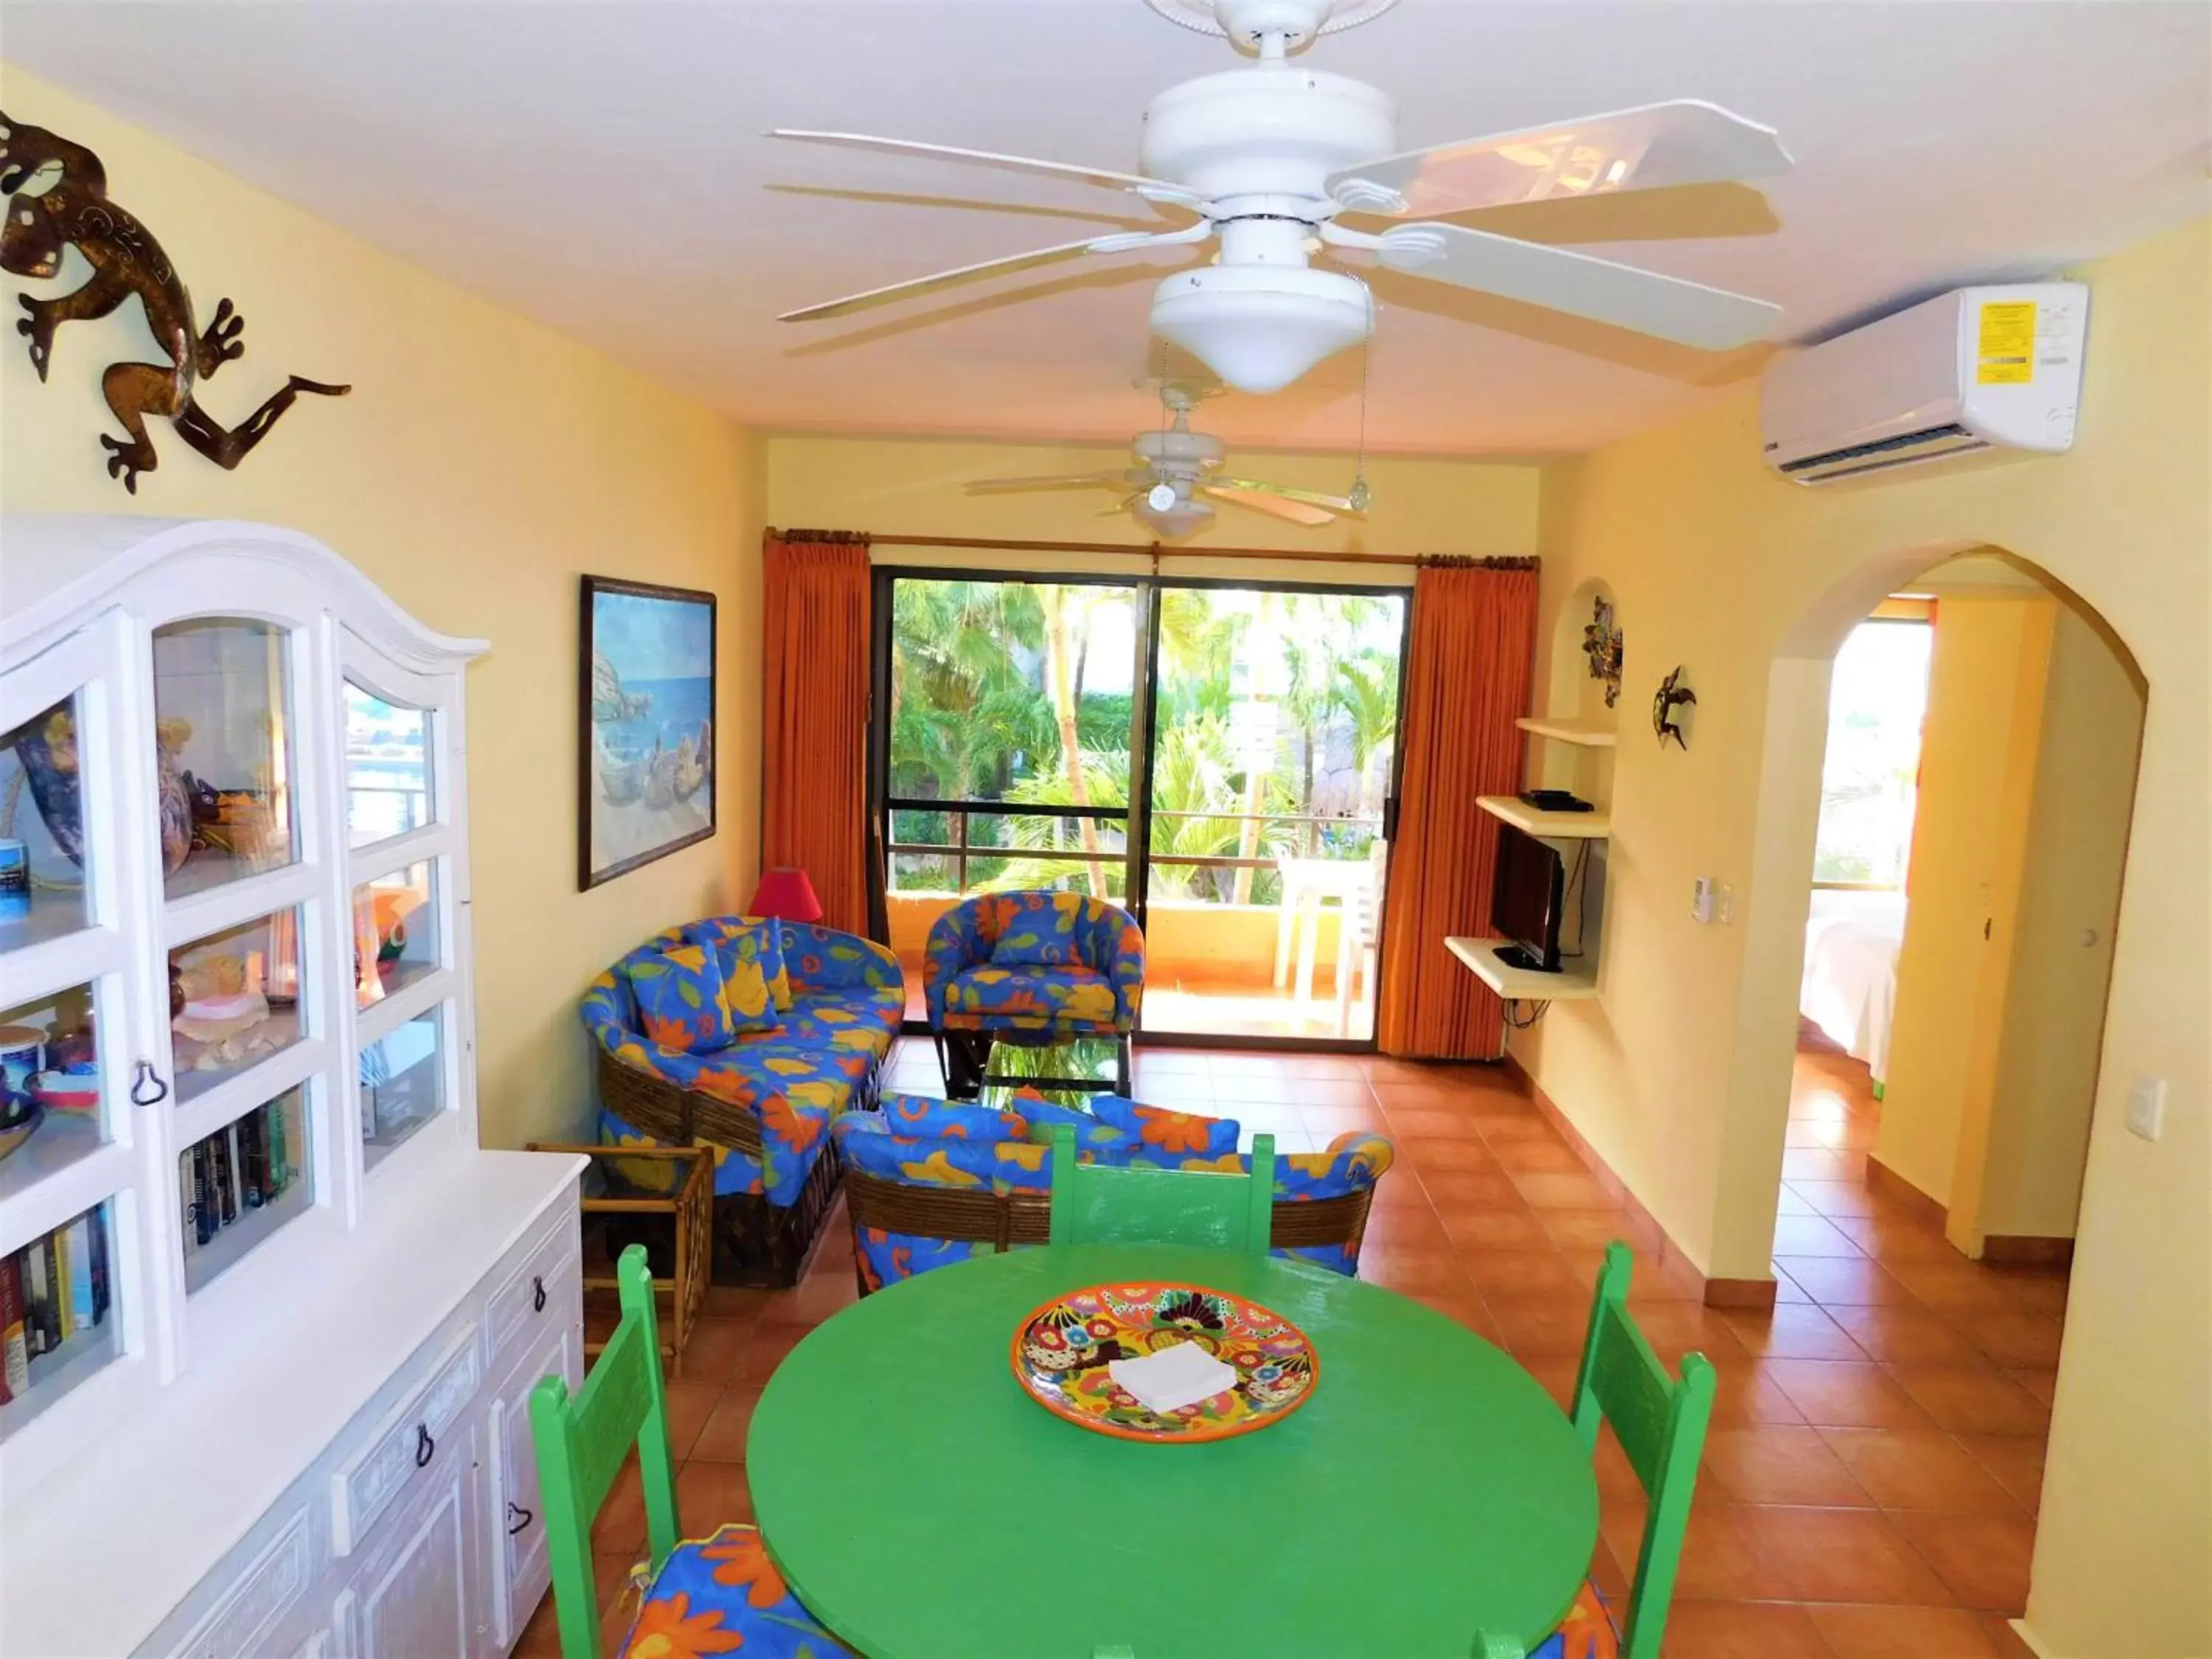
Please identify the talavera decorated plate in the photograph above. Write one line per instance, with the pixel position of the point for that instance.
(1062, 1353)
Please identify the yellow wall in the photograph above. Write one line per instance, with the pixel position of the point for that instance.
(1986, 683)
(482, 463)
(2054, 1023)
(1678, 1072)
(917, 487)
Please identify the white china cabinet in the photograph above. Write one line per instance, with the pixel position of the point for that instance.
(267, 1311)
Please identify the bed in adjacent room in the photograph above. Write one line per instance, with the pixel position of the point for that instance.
(1850, 986)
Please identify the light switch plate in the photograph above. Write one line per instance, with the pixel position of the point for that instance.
(2147, 1107)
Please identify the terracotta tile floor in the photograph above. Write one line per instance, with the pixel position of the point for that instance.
(1870, 1482)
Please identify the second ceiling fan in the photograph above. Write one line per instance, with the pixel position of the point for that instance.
(1267, 157)
(1173, 488)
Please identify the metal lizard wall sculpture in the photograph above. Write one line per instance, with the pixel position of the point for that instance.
(58, 197)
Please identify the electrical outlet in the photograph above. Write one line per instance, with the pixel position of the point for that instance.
(1724, 905)
(2147, 1107)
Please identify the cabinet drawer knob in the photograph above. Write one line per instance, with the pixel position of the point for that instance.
(147, 1088)
(537, 1293)
(425, 1447)
(522, 1518)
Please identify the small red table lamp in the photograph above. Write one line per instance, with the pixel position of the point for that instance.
(786, 894)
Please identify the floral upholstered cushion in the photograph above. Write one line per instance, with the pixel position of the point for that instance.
(1041, 932)
(1160, 1134)
(682, 1000)
(722, 1595)
(1091, 1133)
(1587, 1632)
(1072, 1001)
(757, 942)
(917, 1116)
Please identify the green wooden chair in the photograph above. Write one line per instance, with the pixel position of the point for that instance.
(1113, 1204)
(718, 1593)
(1661, 1425)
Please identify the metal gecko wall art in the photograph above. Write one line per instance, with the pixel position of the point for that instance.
(1672, 694)
(58, 199)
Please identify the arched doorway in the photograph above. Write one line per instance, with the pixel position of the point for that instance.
(1944, 1370)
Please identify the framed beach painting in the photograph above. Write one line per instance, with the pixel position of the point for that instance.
(646, 773)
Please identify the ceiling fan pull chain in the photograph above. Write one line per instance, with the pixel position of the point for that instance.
(1359, 494)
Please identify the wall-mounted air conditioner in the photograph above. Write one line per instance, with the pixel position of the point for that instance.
(1976, 371)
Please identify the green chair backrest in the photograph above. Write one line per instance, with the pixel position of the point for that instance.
(582, 1444)
(1661, 1425)
(1106, 1204)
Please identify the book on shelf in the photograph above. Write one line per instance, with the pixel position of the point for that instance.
(82, 1316)
(57, 1278)
(15, 1349)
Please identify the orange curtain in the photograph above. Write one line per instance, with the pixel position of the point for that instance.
(1467, 682)
(814, 719)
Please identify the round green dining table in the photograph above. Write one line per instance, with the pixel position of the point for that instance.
(923, 1506)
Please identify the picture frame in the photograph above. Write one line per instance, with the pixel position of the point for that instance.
(646, 699)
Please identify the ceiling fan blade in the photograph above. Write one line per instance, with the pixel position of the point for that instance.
(1666, 307)
(1683, 142)
(917, 284)
(1052, 481)
(1258, 498)
(1151, 189)
(1308, 497)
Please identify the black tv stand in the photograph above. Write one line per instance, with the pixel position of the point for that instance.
(1513, 956)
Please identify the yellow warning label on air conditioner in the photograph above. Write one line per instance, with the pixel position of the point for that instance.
(2006, 353)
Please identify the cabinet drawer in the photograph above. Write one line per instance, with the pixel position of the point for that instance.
(538, 1296)
(403, 1442)
(255, 1605)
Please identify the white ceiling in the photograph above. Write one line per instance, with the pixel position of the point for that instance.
(599, 166)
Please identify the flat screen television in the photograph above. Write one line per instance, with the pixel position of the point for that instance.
(1526, 899)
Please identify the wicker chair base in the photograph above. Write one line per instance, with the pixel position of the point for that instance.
(759, 1244)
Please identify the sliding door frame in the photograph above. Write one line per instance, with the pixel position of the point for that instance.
(1137, 816)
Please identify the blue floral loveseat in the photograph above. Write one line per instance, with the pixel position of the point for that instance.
(932, 1182)
(749, 1035)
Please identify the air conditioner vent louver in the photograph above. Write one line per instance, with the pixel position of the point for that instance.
(1853, 451)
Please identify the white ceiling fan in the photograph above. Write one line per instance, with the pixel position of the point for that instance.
(1265, 157)
(1173, 489)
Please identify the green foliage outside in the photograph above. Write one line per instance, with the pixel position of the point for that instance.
(991, 700)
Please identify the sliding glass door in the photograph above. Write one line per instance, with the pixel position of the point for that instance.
(1219, 759)
(1274, 763)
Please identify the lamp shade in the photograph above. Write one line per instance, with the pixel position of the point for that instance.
(786, 894)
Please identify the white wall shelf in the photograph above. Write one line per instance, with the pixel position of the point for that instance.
(1587, 734)
(1578, 983)
(1570, 826)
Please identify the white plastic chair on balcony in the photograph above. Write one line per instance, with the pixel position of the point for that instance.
(1307, 885)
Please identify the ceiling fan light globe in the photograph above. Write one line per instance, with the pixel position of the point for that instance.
(1161, 498)
(1184, 519)
(1259, 328)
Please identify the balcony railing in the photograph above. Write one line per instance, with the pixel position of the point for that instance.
(1307, 837)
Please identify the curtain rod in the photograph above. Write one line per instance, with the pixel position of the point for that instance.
(1153, 550)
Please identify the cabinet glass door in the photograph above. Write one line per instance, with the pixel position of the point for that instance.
(222, 701)
(72, 1165)
(401, 871)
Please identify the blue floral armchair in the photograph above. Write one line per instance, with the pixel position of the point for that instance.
(1033, 968)
(930, 1182)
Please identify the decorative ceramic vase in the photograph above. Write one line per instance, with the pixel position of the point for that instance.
(47, 749)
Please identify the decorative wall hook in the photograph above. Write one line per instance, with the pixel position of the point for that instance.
(58, 197)
(1672, 694)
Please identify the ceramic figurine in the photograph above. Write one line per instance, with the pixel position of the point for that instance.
(170, 737)
(47, 749)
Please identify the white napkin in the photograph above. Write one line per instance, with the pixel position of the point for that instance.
(1173, 1377)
